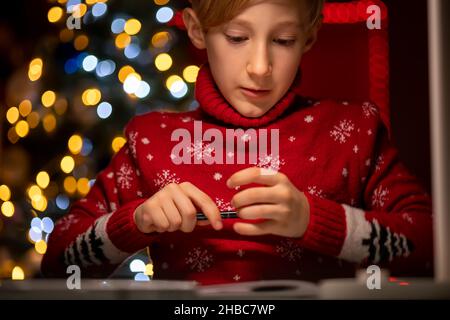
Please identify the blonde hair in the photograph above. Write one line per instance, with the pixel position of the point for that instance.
(212, 13)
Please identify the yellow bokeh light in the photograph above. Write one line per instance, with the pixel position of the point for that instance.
(91, 97)
(42, 179)
(132, 26)
(67, 164)
(5, 193)
(40, 246)
(149, 270)
(70, 185)
(118, 143)
(8, 209)
(39, 202)
(83, 186)
(35, 69)
(12, 115)
(160, 39)
(33, 119)
(81, 42)
(124, 72)
(54, 14)
(171, 80)
(161, 2)
(75, 144)
(34, 191)
(17, 274)
(163, 62)
(49, 122)
(37, 62)
(122, 40)
(48, 98)
(190, 73)
(12, 135)
(25, 108)
(79, 10)
(22, 128)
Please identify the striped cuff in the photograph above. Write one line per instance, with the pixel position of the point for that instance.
(109, 240)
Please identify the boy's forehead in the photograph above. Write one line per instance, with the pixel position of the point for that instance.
(239, 21)
(292, 16)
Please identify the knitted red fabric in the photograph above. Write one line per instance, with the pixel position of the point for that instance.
(366, 208)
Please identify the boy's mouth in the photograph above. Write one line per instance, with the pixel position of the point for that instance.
(252, 93)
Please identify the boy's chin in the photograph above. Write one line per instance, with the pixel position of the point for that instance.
(250, 111)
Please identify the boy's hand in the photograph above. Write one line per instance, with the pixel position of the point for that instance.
(173, 208)
(285, 207)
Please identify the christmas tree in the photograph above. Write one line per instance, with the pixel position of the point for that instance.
(98, 64)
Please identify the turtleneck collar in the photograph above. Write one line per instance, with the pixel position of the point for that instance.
(214, 104)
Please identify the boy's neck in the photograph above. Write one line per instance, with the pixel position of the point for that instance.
(214, 104)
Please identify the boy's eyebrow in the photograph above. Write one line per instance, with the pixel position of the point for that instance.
(247, 24)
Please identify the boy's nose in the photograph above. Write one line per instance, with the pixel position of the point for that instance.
(259, 63)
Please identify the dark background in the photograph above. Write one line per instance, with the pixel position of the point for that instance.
(21, 23)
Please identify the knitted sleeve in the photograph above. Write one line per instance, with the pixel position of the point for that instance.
(99, 232)
(393, 227)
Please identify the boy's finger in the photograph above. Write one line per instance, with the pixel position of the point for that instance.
(263, 211)
(172, 215)
(253, 196)
(253, 175)
(185, 208)
(205, 203)
(254, 229)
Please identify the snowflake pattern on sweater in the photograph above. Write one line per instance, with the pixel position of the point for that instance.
(354, 182)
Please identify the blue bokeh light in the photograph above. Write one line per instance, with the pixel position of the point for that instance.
(104, 110)
(164, 14)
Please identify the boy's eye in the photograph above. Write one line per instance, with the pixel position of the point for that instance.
(285, 42)
(233, 39)
(282, 42)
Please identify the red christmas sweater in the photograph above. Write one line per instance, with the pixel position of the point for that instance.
(365, 207)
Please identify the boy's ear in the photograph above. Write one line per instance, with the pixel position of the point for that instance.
(194, 28)
(312, 35)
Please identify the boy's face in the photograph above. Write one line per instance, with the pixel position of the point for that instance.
(260, 49)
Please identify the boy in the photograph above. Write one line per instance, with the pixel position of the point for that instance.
(330, 196)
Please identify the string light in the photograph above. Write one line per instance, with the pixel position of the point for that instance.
(75, 144)
(25, 108)
(67, 164)
(118, 143)
(42, 179)
(160, 39)
(164, 14)
(163, 62)
(91, 97)
(17, 273)
(132, 26)
(70, 185)
(190, 73)
(22, 128)
(48, 98)
(35, 69)
(5, 193)
(7, 209)
(54, 14)
(12, 115)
